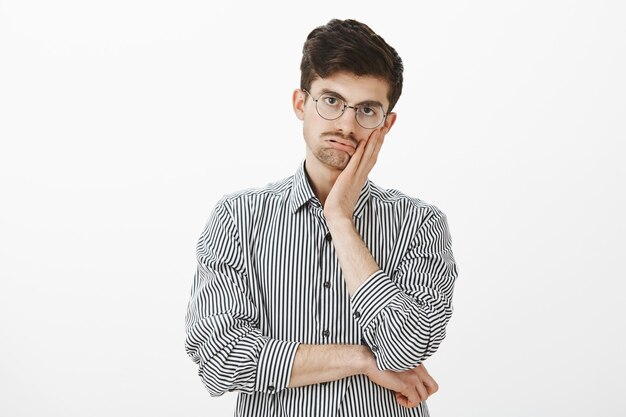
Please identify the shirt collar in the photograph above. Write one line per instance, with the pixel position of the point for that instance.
(302, 193)
(364, 198)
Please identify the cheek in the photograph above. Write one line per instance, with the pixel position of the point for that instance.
(307, 130)
(311, 117)
(311, 125)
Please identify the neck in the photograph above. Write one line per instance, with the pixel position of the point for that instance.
(321, 178)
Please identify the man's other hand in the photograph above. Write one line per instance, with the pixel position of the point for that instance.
(411, 387)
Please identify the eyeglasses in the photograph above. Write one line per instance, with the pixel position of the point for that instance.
(331, 107)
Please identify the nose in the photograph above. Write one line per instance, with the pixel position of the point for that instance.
(347, 121)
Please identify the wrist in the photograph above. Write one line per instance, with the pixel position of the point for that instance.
(339, 222)
(367, 362)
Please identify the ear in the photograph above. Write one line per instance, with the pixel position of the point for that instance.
(389, 121)
(297, 100)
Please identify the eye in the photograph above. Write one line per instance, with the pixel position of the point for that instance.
(369, 111)
(331, 101)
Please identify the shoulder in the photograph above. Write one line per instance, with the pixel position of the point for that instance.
(396, 201)
(248, 198)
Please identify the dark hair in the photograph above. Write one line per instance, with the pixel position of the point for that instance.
(350, 46)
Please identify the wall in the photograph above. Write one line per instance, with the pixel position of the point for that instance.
(123, 122)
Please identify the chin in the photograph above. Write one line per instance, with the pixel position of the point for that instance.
(340, 165)
(334, 160)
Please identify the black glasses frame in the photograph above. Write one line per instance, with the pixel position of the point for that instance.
(345, 106)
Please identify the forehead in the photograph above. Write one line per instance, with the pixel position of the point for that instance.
(354, 88)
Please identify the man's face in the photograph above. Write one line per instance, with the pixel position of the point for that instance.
(331, 143)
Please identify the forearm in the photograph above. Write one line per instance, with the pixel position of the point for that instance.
(394, 318)
(355, 258)
(314, 364)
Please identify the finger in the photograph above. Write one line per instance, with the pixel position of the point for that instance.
(414, 395)
(370, 153)
(429, 381)
(432, 386)
(379, 145)
(379, 141)
(421, 391)
(377, 132)
(356, 168)
(402, 400)
(373, 142)
(370, 148)
(405, 401)
(356, 157)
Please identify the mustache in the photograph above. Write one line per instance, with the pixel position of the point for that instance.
(349, 137)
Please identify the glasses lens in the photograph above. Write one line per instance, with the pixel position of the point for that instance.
(330, 107)
(370, 116)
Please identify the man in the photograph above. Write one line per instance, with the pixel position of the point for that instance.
(322, 294)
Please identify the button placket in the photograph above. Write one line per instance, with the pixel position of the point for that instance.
(326, 288)
(324, 294)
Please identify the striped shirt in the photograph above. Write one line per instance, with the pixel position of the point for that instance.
(268, 279)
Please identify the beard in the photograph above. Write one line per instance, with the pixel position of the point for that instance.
(333, 158)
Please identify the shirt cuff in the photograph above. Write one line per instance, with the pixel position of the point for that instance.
(372, 296)
(274, 366)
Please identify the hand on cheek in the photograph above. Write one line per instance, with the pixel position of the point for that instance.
(345, 192)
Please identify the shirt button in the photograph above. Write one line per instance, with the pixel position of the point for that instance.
(327, 284)
(325, 333)
(356, 314)
(270, 388)
(374, 348)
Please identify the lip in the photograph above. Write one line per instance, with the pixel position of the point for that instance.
(342, 145)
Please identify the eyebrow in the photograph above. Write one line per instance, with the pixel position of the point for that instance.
(336, 94)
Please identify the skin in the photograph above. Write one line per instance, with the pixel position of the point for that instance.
(340, 154)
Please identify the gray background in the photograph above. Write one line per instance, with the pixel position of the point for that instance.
(123, 122)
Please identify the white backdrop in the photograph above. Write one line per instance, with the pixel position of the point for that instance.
(123, 122)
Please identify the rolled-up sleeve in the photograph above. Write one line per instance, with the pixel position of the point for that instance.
(403, 314)
(223, 336)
